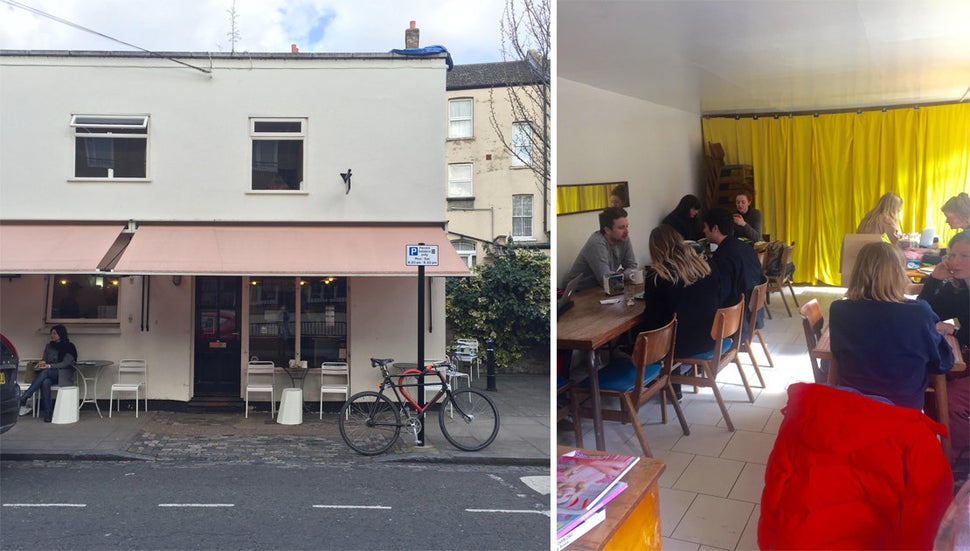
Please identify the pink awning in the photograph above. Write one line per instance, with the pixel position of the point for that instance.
(55, 248)
(349, 250)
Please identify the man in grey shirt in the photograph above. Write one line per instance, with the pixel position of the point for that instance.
(607, 251)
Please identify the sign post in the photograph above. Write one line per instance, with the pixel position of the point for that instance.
(421, 255)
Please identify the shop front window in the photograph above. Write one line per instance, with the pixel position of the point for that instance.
(272, 319)
(323, 321)
(81, 298)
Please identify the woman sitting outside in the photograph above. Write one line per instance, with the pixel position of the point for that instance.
(57, 368)
(883, 343)
(681, 282)
(947, 290)
(884, 218)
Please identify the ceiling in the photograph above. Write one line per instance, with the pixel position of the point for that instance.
(768, 56)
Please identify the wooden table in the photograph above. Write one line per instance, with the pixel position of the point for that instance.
(589, 325)
(937, 381)
(633, 517)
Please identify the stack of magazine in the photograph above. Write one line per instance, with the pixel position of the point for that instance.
(585, 483)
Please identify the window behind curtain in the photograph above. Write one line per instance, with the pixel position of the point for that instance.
(460, 180)
(110, 146)
(522, 217)
(460, 123)
(277, 155)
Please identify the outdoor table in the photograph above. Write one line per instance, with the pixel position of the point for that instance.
(298, 377)
(590, 325)
(91, 367)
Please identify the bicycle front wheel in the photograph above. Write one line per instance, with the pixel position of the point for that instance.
(369, 423)
(468, 419)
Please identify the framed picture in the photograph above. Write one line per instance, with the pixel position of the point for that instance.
(576, 198)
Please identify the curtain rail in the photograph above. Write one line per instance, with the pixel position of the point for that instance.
(817, 112)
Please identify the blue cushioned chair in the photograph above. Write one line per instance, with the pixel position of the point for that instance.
(634, 382)
(726, 333)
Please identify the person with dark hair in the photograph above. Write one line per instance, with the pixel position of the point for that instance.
(736, 263)
(747, 220)
(885, 344)
(684, 218)
(57, 367)
(618, 197)
(607, 251)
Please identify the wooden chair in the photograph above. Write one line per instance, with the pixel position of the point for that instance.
(633, 385)
(757, 303)
(726, 332)
(777, 282)
(568, 404)
(812, 323)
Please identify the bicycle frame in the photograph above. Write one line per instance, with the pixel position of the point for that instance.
(403, 397)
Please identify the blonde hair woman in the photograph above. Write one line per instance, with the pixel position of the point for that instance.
(884, 217)
(884, 343)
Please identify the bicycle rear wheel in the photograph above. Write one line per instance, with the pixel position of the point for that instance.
(468, 419)
(369, 423)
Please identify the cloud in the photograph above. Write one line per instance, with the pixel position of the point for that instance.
(468, 28)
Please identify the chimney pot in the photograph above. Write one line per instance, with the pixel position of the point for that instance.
(294, 49)
(412, 24)
(412, 36)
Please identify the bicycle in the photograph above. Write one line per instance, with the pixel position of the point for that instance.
(370, 422)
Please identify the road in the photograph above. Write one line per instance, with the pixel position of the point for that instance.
(185, 505)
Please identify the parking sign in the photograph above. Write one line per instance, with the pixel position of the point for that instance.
(422, 255)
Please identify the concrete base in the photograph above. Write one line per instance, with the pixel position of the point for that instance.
(65, 407)
(291, 407)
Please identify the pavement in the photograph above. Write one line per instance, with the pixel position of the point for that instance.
(523, 439)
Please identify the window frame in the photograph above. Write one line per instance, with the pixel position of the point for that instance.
(469, 256)
(278, 136)
(530, 217)
(55, 278)
(103, 124)
(471, 181)
(454, 119)
(525, 144)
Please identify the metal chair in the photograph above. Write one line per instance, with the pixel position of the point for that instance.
(465, 351)
(339, 375)
(132, 377)
(257, 373)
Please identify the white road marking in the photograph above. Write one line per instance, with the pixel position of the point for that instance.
(196, 504)
(513, 511)
(45, 505)
(351, 507)
(540, 484)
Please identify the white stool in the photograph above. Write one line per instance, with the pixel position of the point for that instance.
(65, 410)
(291, 407)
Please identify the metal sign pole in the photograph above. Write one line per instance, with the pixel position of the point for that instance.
(421, 345)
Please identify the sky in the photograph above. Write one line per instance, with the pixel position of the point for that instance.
(469, 29)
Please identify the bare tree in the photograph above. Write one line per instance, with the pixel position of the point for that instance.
(233, 35)
(525, 33)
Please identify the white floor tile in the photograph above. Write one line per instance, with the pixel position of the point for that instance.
(671, 544)
(673, 505)
(774, 422)
(709, 475)
(747, 417)
(749, 446)
(704, 440)
(714, 521)
(749, 538)
(750, 483)
(675, 464)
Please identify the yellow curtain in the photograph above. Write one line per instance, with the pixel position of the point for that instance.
(816, 176)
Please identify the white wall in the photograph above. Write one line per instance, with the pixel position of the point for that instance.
(607, 137)
(380, 117)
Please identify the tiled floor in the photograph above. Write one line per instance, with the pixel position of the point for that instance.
(711, 489)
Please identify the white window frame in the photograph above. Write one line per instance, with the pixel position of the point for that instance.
(456, 121)
(262, 135)
(104, 124)
(519, 213)
(466, 184)
(61, 279)
(521, 144)
(467, 250)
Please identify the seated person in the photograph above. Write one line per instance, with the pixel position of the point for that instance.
(736, 263)
(747, 220)
(947, 290)
(607, 251)
(883, 343)
(884, 218)
(957, 211)
(57, 368)
(684, 218)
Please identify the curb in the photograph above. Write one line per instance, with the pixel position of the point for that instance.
(80, 455)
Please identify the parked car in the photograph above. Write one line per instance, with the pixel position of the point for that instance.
(9, 389)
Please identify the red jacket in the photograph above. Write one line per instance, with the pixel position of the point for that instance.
(848, 472)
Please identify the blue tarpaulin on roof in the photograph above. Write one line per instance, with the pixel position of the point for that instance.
(427, 50)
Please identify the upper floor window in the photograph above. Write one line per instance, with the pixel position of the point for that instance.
(277, 153)
(460, 180)
(80, 298)
(110, 146)
(521, 144)
(522, 217)
(466, 250)
(460, 124)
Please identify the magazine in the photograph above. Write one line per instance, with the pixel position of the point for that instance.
(597, 517)
(566, 522)
(584, 479)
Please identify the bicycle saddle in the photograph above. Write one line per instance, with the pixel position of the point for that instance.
(380, 361)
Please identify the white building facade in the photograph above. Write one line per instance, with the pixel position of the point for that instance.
(199, 210)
